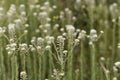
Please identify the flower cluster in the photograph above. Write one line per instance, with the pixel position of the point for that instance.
(23, 75)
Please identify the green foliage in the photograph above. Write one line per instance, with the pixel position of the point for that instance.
(59, 39)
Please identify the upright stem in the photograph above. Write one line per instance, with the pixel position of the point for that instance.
(14, 67)
(93, 68)
(44, 66)
(40, 67)
(70, 60)
(2, 72)
(81, 61)
(35, 66)
(118, 37)
(51, 64)
(23, 61)
(113, 42)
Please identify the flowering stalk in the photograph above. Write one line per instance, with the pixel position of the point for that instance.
(51, 64)
(40, 69)
(44, 59)
(2, 68)
(106, 72)
(118, 35)
(23, 51)
(93, 68)
(70, 36)
(23, 75)
(113, 41)
(106, 35)
(77, 74)
(14, 67)
(93, 38)
(82, 60)
(29, 69)
(35, 65)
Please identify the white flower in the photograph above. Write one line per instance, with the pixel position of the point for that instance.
(11, 27)
(1, 10)
(48, 47)
(64, 34)
(101, 32)
(38, 48)
(37, 6)
(43, 17)
(11, 11)
(32, 48)
(23, 14)
(22, 7)
(18, 21)
(23, 47)
(76, 41)
(102, 58)
(82, 34)
(11, 30)
(46, 3)
(93, 31)
(25, 31)
(60, 39)
(11, 47)
(65, 52)
(62, 29)
(54, 6)
(35, 14)
(115, 69)
(49, 39)
(118, 45)
(113, 8)
(1, 13)
(77, 30)
(114, 78)
(32, 6)
(93, 35)
(70, 28)
(117, 64)
(56, 26)
(40, 41)
(23, 75)
(26, 25)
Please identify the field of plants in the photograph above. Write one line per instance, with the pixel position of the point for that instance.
(59, 39)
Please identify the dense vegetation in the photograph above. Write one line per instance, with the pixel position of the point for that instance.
(59, 39)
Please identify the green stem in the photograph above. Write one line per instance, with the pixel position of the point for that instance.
(23, 61)
(119, 37)
(29, 68)
(114, 40)
(93, 68)
(70, 59)
(44, 66)
(81, 61)
(14, 67)
(51, 64)
(40, 67)
(2, 72)
(35, 66)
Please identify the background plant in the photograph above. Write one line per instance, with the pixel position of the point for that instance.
(59, 39)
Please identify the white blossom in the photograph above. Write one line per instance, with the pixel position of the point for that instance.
(117, 64)
(23, 75)
(82, 34)
(93, 35)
